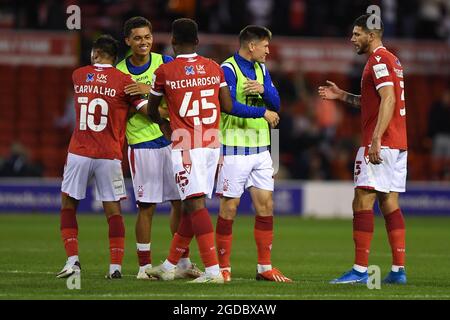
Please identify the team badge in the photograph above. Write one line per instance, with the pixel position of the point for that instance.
(226, 185)
(90, 77)
(140, 191)
(189, 70)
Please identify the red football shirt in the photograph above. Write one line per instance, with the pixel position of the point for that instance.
(191, 85)
(383, 69)
(101, 107)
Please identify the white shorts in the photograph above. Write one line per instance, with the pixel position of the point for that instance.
(105, 174)
(240, 172)
(195, 171)
(152, 175)
(388, 176)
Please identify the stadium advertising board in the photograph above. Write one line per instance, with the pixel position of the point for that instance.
(39, 48)
(290, 198)
(34, 196)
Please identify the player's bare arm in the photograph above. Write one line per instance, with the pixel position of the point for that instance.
(385, 113)
(137, 88)
(333, 92)
(164, 112)
(226, 105)
(153, 108)
(153, 112)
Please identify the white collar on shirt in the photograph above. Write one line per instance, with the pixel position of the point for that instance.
(190, 55)
(375, 50)
(106, 65)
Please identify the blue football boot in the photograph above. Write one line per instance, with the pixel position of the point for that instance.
(352, 276)
(398, 277)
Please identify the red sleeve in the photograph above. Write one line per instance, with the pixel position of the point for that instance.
(382, 71)
(159, 80)
(135, 101)
(223, 82)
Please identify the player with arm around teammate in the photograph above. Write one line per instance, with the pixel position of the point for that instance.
(196, 91)
(149, 151)
(95, 152)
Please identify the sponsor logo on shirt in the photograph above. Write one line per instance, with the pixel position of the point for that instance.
(378, 58)
(200, 69)
(380, 70)
(398, 72)
(102, 78)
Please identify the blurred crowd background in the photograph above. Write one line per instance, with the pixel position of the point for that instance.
(318, 140)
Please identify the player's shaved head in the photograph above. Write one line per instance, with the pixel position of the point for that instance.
(254, 33)
(185, 32)
(106, 46)
(370, 23)
(135, 22)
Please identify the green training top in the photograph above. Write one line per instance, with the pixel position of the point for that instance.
(139, 127)
(245, 132)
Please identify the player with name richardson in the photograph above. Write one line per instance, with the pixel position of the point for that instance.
(380, 165)
(149, 152)
(95, 151)
(196, 93)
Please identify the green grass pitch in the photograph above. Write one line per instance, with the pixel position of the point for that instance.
(311, 252)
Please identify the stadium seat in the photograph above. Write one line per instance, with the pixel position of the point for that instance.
(53, 160)
(28, 139)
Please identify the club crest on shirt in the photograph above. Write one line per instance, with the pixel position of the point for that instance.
(187, 167)
(140, 191)
(90, 77)
(226, 185)
(189, 70)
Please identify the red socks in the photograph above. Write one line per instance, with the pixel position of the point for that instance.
(363, 222)
(144, 257)
(204, 233)
(116, 238)
(263, 233)
(69, 231)
(179, 247)
(395, 227)
(224, 238)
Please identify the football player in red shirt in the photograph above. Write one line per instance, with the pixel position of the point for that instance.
(380, 165)
(95, 151)
(196, 91)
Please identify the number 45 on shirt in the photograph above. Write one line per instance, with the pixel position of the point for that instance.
(195, 111)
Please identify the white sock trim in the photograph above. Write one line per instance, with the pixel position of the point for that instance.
(114, 267)
(142, 268)
(184, 263)
(359, 268)
(167, 265)
(213, 270)
(396, 268)
(72, 259)
(143, 246)
(264, 267)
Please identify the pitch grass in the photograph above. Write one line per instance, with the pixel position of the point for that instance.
(311, 252)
